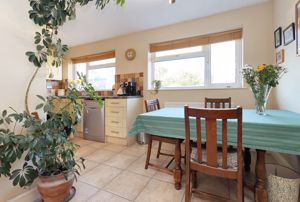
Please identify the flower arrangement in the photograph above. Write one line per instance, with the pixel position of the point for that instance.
(261, 80)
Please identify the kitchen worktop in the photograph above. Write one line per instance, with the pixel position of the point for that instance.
(110, 97)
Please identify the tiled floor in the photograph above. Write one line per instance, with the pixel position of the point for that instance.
(116, 173)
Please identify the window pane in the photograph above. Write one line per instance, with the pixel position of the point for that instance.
(179, 51)
(102, 62)
(103, 78)
(180, 73)
(223, 62)
(80, 68)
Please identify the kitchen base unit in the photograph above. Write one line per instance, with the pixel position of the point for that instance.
(119, 116)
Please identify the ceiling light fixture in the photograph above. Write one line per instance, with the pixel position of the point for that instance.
(171, 1)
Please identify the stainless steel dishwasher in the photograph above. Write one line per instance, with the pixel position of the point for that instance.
(93, 121)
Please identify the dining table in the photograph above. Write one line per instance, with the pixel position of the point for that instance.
(277, 131)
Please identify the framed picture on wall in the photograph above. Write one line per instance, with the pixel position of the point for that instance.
(278, 37)
(289, 34)
(280, 57)
(297, 27)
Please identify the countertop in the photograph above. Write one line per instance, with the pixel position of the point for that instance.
(110, 97)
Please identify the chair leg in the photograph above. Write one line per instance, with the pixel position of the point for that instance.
(159, 148)
(240, 190)
(187, 186)
(148, 152)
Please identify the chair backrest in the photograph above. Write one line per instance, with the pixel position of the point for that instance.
(211, 117)
(152, 105)
(217, 102)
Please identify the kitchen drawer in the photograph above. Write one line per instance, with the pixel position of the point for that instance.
(114, 121)
(115, 112)
(115, 102)
(115, 132)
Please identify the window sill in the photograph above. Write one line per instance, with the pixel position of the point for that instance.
(211, 88)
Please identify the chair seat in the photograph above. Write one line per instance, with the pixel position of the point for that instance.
(231, 158)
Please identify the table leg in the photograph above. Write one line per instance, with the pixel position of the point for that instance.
(247, 159)
(260, 171)
(177, 170)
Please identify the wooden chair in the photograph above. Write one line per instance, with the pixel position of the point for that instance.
(152, 105)
(217, 102)
(210, 161)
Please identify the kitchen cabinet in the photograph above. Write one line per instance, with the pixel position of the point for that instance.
(64, 102)
(119, 116)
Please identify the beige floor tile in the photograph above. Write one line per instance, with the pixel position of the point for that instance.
(82, 142)
(196, 199)
(121, 161)
(139, 167)
(101, 155)
(100, 176)
(84, 151)
(89, 165)
(83, 192)
(115, 147)
(162, 176)
(127, 185)
(158, 191)
(135, 150)
(103, 196)
(98, 145)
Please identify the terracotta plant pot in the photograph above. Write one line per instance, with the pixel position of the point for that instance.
(55, 188)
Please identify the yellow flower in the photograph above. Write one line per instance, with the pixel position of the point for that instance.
(72, 82)
(78, 81)
(261, 67)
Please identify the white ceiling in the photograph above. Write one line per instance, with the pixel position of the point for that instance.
(137, 15)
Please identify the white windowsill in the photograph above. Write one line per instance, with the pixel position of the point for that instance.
(212, 88)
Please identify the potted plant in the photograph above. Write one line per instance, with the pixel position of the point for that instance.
(43, 143)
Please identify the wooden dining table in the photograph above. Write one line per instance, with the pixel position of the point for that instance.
(278, 131)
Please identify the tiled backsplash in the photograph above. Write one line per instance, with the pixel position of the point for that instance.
(119, 78)
(137, 77)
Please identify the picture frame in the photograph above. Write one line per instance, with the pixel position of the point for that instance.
(297, 27)
(278, 37)
(280, 57)
(289, 34)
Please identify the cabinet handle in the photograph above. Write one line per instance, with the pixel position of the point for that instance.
(114, 112)
(115, 122)
(116, 132)
(115, 103)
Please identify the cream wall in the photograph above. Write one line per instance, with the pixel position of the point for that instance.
(257, 22)
(15, 39)
(287, 93)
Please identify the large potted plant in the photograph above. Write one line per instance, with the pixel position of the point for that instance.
(43, 143)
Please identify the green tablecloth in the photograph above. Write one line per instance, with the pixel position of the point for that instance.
(278, 131)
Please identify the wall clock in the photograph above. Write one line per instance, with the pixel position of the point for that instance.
(130, 54)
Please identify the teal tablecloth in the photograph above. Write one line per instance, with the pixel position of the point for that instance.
(278, 131)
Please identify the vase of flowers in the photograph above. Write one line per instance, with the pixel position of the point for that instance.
(261, 81)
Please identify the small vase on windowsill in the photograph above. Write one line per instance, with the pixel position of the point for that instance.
(261, 94)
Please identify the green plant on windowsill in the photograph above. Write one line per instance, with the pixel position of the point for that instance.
(156, 86)
(48, 153)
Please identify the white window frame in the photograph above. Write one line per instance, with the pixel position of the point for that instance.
(206, 53)
(93, 67)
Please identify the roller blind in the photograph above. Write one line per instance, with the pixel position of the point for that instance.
(197, 40)
(94, 57)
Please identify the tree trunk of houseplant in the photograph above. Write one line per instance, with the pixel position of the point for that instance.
(55, 188)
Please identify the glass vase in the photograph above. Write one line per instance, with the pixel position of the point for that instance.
(261, 94)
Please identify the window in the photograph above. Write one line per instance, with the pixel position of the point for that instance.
(99, 72)
(211, 65)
